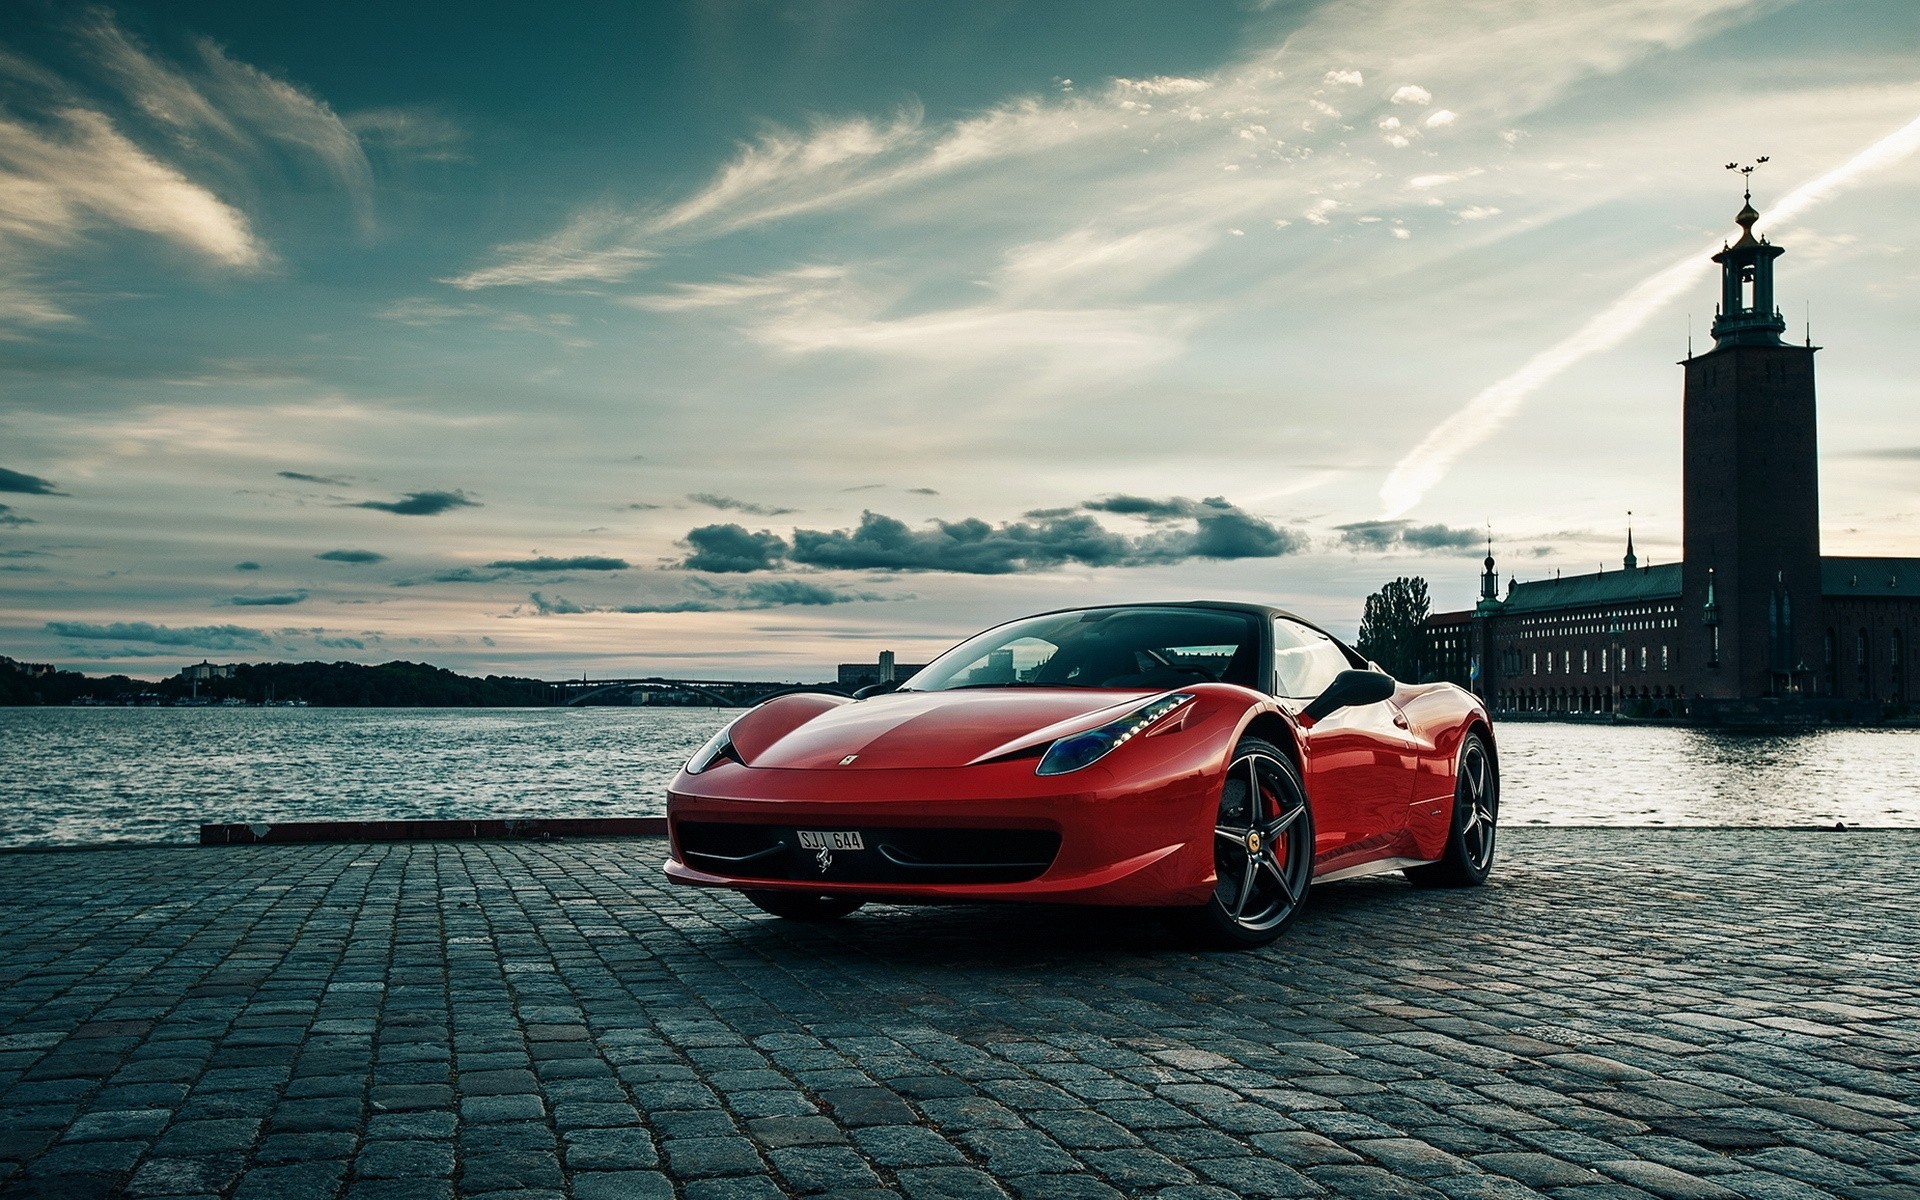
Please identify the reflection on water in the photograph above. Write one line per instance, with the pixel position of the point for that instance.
(72, 776)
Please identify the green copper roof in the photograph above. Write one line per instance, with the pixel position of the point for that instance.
(1608, 587)
(1870, 576)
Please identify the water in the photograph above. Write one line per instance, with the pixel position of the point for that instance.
(86, 776)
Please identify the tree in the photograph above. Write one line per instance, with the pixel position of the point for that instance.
(1393, 627)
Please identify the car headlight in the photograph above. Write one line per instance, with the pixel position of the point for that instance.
(717, 747)
(1078, 750)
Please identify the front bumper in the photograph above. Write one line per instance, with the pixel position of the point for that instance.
(1122, 841)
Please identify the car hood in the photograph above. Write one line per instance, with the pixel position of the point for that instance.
(907, 730)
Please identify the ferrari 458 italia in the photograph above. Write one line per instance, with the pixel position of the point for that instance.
(1212, 759)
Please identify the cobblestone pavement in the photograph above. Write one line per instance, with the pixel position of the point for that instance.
(1699, 1014)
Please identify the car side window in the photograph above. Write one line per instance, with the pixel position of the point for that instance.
(1305, 661)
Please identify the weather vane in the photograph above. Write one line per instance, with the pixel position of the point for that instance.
(1746, 173)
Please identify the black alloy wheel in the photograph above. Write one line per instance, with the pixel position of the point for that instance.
(1468, 859)
(799, 906)
(1262, 850)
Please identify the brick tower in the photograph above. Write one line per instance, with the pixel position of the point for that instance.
(1750, 613)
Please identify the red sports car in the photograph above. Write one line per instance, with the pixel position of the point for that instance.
(1210, 758)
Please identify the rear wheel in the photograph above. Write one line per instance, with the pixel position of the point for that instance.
(799, 906)
(1262, 850)
(1476, 810)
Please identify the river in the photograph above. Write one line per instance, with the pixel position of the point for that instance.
(91, 776)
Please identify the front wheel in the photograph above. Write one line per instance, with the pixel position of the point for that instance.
(1468, 859)
(799, 906)
(1262, 850)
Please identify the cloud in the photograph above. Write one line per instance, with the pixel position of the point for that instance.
(594, 246)
(276, 601)
(1134, 506)
(751, 597)
(206, 637)
(11, 519)
(1164, 85)
(1044, 540)
(246, 566)
(350, 556)
(1893, 453)
(1343, 78)
(230, 107)
(729, 503)
(1440, 117)
(421, 504)
(32, 485)
(585, 562)
(1394, 535)
(1487, 412)
(418, 132)
(79, 173)
(1412, 93)
(303, 477)
(732, 549)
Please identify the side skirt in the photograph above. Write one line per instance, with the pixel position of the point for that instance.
(1378, 866)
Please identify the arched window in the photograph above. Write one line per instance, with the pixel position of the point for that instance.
(1863, 662)
(1896, 659)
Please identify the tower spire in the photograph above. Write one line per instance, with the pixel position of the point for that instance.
(1489, 579)
(1630, 561)
(1747, 315)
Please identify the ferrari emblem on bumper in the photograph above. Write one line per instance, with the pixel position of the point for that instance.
(824, 858)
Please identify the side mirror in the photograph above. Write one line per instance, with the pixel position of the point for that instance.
(1348, 690)
(877, 689)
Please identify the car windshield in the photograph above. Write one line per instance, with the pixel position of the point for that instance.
(1145, 648)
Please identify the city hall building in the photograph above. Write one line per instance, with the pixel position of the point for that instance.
(1753, 616)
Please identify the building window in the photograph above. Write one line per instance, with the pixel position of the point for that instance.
(1862, 659)
(1549, 662)
(1643, 658)
(1830, 658)
(1895, 659)
(1585, 666)
(1536, 662)
(1566, 663)
(1666, 659)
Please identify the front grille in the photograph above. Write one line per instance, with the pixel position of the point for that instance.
(891, 855)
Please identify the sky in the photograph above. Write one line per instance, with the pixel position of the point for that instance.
(737, 339)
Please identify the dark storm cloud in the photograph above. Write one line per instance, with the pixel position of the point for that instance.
(923, 491)
(1397, 535)
(730, 504)
(11, 519)
(732, 549)
(778, 593)
(585, 562)
(356, 557)
(1222, 531)
(1046, 538)
(970, 547)
(275, 601)
(32, 485)
(203, 637)
(421, 504)
(303, 477)
(246, 566)
(1143, 506)
(1043, 514)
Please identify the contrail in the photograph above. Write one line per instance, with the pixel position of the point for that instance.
(1481, 417)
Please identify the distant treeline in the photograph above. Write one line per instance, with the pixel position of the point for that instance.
(339, 684)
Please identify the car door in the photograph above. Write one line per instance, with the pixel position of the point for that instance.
(1360, 761)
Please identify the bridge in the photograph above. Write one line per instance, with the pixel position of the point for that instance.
(719, 693)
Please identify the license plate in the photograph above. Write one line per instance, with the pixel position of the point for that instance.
(817, 840)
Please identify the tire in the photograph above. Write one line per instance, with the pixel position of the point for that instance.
(1468, 859)
(799, 906)
(1263, 852)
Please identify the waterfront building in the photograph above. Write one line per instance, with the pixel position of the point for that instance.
(1754, 615)
(886, 670)
(202, 671)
